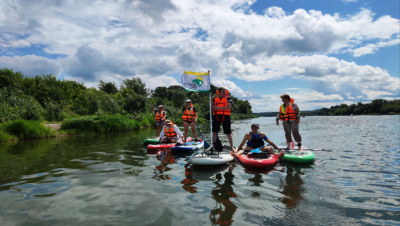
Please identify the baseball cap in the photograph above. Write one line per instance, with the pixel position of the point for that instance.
(167, 122)
(256, 125)
(188, 100)
(160, 106)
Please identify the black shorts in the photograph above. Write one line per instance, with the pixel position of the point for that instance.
(226, 124)
(187, 121)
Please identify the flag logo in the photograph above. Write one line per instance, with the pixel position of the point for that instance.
(199, 80)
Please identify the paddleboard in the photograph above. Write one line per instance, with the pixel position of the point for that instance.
(295, 156)
(251, 161)
(165, 145)
(208, 159)
(188, 147)
(151, 140)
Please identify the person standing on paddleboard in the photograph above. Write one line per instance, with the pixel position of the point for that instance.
(255, 139)
(160, 116)
(222, 105)
(189, 117)
(289, 115)
(170, 133)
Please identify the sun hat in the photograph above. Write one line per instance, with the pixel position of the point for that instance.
(160, 106)
(167, 122)
(256, 125)
(188, 100)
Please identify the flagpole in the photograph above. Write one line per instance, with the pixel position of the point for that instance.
(209, 94)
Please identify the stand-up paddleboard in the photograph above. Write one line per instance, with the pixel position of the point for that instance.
(154, 140)
(165, 145)
(188, 147)
(296, 156)
(208, 158)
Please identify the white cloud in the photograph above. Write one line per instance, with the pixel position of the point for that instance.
(234, 89)
(114, 40)
(32, 65)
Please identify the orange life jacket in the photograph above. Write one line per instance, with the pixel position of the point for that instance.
(226, 95)
(221, 102)
(189, 115)
(160, 116)
(170, 133)
(287, 113)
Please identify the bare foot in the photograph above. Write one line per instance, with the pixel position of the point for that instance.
(233, 153)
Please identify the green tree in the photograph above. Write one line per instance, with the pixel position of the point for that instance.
(108, 87)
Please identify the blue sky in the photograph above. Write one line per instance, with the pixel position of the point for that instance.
(322, 53)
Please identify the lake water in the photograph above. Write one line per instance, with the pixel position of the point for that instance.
(114, 180)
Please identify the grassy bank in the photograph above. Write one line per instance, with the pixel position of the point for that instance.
(104, 124)
(24, 129)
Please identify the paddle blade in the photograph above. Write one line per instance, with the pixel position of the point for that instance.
(206, 145)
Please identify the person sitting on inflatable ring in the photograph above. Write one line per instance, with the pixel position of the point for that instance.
(170, 133)
(255, 140)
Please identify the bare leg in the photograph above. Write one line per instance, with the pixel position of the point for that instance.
(239, 152)
(272, 151)
(158, 131)
(186, 128)
(193, 125)
(230, 141)
(172, 140)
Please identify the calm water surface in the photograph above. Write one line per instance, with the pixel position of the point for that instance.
(114, 180)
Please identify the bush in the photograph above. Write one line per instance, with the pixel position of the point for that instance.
(23, 129)
(54, 111)
(16, 105)
(100, 124)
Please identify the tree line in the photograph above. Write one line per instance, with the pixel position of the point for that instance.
(45, 97)
(376, 107)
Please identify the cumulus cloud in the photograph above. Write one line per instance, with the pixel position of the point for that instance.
(32, 65)
(153, 38)
(234, 89)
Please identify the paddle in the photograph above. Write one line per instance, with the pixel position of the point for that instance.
(206, 145)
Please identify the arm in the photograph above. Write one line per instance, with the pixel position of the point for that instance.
(277, 119)
(297, 110)
(272, 144)
(243, 141)
(224, 108)
(165, 116)
(162, 132)
(152, 108)
(178, 131)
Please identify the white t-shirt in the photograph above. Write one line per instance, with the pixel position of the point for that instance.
(176, 129)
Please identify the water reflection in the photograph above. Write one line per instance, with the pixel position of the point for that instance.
(189, 181)
(223, 213)
(165, 159)
(292, 187)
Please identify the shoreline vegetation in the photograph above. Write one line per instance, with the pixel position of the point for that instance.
(376, 107)
(29, 105)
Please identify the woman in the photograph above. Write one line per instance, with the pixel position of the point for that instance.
(189, 117)
(256, 140)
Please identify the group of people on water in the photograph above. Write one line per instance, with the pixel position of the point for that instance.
(289, 114)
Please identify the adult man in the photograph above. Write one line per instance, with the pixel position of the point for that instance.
(170, 133)
(289, 115)
(222, 115)
(160, 116)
